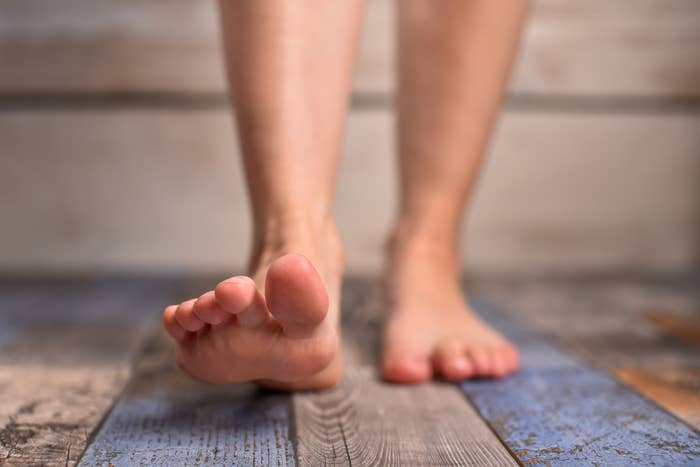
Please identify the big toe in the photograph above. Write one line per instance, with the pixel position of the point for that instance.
(296, 295)
(402, 364)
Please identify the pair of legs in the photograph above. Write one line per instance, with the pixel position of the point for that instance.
(290, 67)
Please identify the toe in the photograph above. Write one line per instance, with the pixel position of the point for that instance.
(208, 310)
(407, 370)
(295, 295)
(481, 361)
(453, 366)
(171, 325)
(240, 296)
(499, 365)
(402, 364)
(186, 318)
(512, 357)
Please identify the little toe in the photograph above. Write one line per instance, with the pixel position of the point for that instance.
(171, 325)
(207, 309)
(186, 317)
(295, 295)
(240, 296)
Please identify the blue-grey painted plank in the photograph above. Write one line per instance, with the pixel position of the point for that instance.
(161, 428)
(558, 411)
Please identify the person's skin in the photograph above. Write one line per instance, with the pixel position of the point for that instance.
(289, 68)
(453, 61)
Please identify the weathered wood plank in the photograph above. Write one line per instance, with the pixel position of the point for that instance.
(367, 422)
(66, 361)
(684, 328)
(165, 418)
(183, 165)
(556, 410)
(584, 47)
(676, 389)
(606, 320)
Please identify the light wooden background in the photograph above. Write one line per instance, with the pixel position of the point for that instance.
(116, 148)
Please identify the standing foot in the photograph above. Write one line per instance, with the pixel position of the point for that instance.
(430, 330)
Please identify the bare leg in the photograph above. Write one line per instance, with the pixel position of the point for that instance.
(290, 67)
(454, 57)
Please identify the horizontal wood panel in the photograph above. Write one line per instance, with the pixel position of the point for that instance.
(629, 47)
(163, 190)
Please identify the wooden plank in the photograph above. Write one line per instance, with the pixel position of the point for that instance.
(619, 173)
(676, 389)
(601, 318)
(367, 422)
(556, 410)
(166, 418)
(66, 361)
(606, 320)
(685, 328)
(586, 47)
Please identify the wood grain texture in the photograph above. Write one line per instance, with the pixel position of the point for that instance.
(365, 421)
(556, 410)
(583, 47)
(165, 418)
(619, 173)
(66, 360)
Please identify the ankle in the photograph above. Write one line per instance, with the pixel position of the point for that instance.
(318, 240)
(428, 249)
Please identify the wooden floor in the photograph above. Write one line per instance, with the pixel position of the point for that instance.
(610, 376)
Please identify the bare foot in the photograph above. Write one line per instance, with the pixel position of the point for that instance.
(286, 338)
(430, 330)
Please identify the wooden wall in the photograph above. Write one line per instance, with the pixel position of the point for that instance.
(116, 149)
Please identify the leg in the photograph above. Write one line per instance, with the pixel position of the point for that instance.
(289, 69)
(454, 58)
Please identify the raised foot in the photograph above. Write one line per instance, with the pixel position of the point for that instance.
(283, 339)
